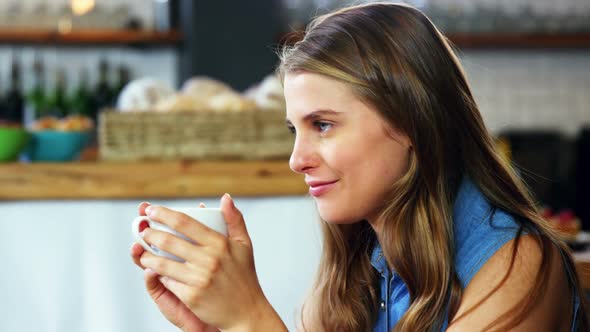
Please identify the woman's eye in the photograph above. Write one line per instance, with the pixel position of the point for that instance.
(291, 129)
(322, 126)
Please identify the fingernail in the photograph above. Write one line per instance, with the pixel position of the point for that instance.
(231, 200)
(164, 280)
(148, 210)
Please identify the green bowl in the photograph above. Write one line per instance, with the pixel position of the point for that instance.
(12, 142)
(56, 146)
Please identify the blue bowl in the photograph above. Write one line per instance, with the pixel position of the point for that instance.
(51, 145)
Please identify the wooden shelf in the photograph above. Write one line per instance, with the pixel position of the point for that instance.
(507, 40)
(520, 40)
(171, 38)
(175, 179)
(91, 37)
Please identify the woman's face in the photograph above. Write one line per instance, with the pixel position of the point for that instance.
(349, 155)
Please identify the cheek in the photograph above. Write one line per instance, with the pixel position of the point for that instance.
(366, 173)
(376, 176)
(396, 166)
(346, 204)
(366, 165)
(338, 155)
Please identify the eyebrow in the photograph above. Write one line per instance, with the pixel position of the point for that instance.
(314, 115)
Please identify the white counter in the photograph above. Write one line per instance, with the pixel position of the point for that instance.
(67, 266)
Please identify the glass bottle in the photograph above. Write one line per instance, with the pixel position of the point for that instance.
(14, 102)
(36, 98)
(103, 94)
(58, 105)
(124, 76)
(80, 102)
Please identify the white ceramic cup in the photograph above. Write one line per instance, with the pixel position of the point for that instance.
(210, 217)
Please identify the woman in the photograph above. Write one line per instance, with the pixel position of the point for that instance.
(425, 227)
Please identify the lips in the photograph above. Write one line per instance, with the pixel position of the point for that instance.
(318, 188)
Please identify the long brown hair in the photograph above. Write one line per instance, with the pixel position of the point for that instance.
(395, 59)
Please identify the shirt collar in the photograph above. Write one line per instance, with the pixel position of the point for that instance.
(378, 261)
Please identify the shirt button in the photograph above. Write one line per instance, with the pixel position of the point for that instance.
(382, 306)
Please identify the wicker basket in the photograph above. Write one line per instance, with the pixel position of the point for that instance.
(133, 136)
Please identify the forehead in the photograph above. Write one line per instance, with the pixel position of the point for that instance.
(309, 83)
(306, 92)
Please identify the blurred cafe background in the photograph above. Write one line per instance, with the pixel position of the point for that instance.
(108, 103)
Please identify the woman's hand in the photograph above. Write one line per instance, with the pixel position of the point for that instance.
(168, 303)
(218, 280)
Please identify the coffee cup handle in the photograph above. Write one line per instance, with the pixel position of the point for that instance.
(135, 229)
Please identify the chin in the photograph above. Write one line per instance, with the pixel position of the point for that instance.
(336, 216)
(345, 211)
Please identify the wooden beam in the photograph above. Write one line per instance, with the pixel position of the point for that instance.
(515, 40)
(89, 180)
(90, 37)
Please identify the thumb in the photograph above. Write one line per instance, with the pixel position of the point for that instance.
(236, 227)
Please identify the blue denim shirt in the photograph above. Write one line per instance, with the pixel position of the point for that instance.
(478, 235)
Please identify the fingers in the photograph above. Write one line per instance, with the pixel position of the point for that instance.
(200, 265)
(136, 252)
(236, 227)
(172, 269)
(152, 283)
(141, 208)
(185, 225)
(183, 291)
(202, 205)
(136, 249)
(171, 244)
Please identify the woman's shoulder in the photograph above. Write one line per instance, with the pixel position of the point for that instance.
(506, 278)
(496, 270)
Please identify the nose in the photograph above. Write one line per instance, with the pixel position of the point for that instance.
(303, 157)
